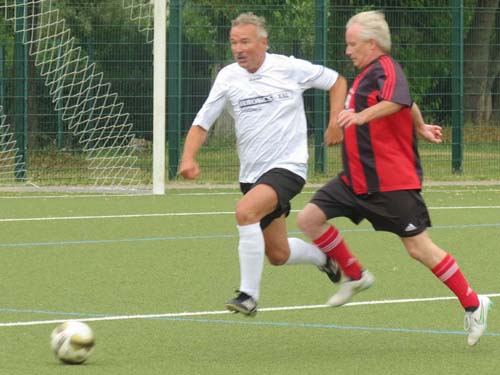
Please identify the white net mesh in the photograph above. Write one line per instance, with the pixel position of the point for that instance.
(142, 12)
(11, 163)
(86, 103)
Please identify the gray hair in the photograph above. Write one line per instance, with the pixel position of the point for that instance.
(251, 19)
(373, 26)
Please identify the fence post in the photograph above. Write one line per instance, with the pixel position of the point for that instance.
(320, 108)
(21, 89)
(174, 74)
(2, 76)
(457, 85)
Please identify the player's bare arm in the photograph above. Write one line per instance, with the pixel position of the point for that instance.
(338, 92)
(382, 109)
(194, 140)
(431, 133)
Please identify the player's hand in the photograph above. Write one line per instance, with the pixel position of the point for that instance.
(347, 117)
(431, 133)
(333, 135)
(189, 169)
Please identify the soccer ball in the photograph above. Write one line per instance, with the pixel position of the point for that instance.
(72, 342)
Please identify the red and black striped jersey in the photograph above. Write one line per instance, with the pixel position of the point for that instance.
(381, 155)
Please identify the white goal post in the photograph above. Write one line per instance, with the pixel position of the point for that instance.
(159, 95)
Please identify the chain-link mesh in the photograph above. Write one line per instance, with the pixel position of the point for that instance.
(89, 67)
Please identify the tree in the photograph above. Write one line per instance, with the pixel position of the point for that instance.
(495, 73)
(481, 68)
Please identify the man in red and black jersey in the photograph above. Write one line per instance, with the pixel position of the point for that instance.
(382, 175)
(383, 155)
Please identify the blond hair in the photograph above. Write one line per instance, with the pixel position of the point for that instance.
(249, 18)
(373, 26)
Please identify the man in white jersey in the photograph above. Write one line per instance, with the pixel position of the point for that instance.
(263, 93)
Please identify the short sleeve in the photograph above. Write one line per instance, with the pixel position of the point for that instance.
(214, 104)
(311, 75)
(392, 82)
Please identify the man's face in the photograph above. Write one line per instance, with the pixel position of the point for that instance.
(361, 52)
(248, 49)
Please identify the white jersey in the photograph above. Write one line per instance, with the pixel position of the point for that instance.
(268, 109)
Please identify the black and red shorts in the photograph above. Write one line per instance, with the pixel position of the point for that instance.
(401, 212)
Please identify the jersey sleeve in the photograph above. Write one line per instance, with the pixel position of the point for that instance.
(310, 75)
(392, 82)
(213, 106)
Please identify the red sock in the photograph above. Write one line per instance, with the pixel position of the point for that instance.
(333, 245)
(449, 273)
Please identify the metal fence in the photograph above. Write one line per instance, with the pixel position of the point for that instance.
(450, 51)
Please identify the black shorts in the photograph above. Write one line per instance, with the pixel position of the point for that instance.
(286, 184)
(402, 212)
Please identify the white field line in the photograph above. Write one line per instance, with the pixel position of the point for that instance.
(224, 312)
(63, 196)
(48, 218)
(127, 216)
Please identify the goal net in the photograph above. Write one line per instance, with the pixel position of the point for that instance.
(89, 109)
(11, 163)
(142, 13)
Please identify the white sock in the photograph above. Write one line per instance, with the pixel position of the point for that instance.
(251, 251)
(302, 252)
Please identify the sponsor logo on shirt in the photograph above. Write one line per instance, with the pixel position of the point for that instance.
(278, 96)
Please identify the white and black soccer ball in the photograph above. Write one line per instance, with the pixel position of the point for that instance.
(72, 342)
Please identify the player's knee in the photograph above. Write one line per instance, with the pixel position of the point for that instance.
(413, 253)
(277, 258)
(418, 247)
(415, 250)
(245, 216)
(306, 223)
(301, 221)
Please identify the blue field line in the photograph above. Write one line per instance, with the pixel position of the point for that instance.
(328, 326)
(142, 239)
(207, 237)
